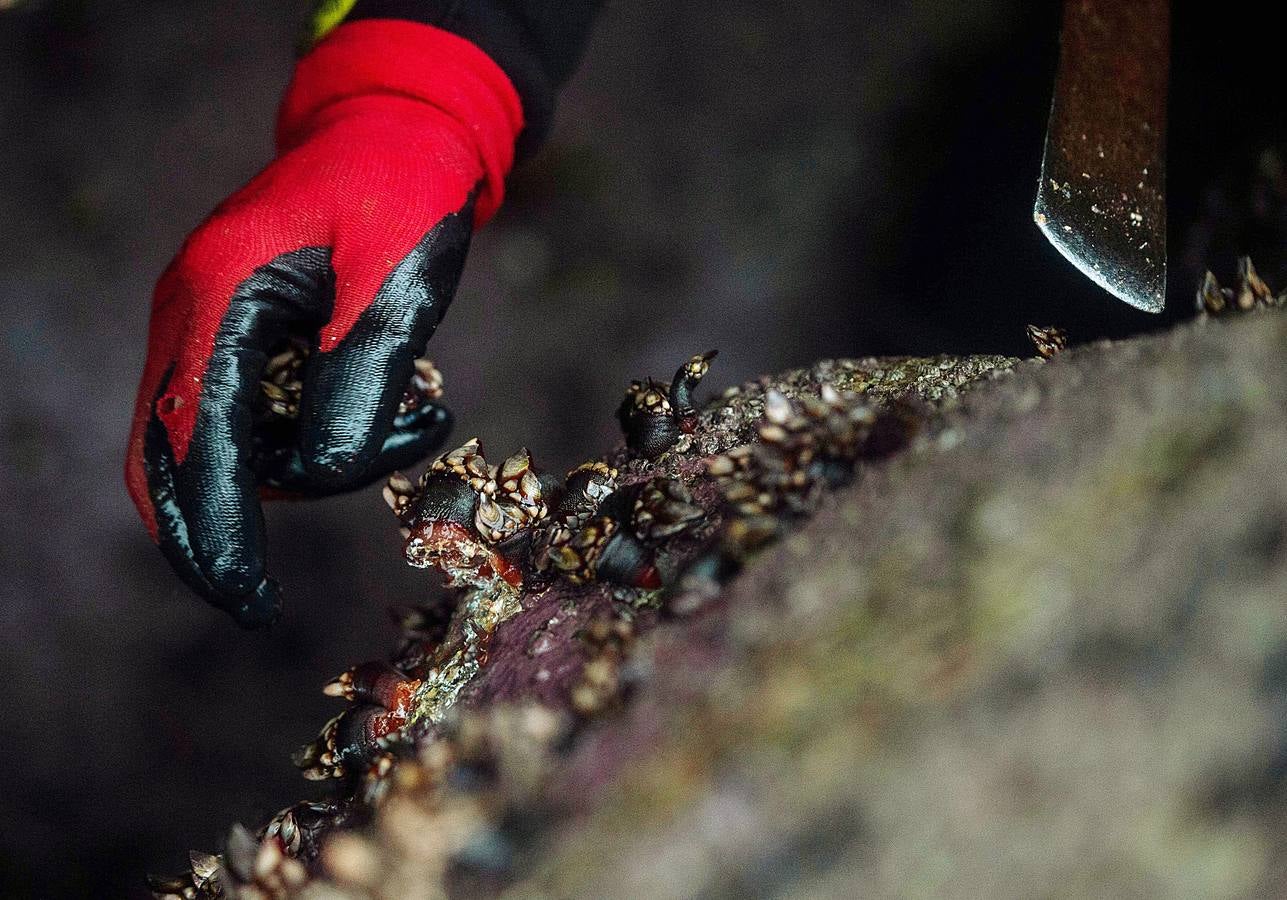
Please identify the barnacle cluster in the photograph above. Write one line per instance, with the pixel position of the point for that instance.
(390, 701)
(250, 869)
(1049, 340)
(591, 547)
(804, 449)
(462, 511)
(491, 530)
(654, 414)
(610, 642)
(476, 522)
(281, 385)
(1251, 293)
(449, 794)
(371, 745)
(381, 696)
(277, 408)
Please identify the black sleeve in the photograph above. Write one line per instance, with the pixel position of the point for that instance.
(538, 43)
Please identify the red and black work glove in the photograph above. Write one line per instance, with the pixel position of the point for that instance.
(394, 140)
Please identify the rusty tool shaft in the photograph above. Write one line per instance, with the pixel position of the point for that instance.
(1101, 200)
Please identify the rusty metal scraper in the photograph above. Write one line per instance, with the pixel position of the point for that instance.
(1102, 200)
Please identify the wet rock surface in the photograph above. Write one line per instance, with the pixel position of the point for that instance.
(1037, 651)
(1039, 654)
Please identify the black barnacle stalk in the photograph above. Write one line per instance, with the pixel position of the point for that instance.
(371, 682)
(349, 743)
(572, 541)
(468, 518)
(584, 491)
(619, 542)
(654, 414)
(359, 737)
(319, 760)
(476, 522)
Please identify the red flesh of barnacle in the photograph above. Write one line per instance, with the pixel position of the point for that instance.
(399, 709)
(649, 579)
(440, 544)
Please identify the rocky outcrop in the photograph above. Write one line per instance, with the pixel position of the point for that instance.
(1039, 649)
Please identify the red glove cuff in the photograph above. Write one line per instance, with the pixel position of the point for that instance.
(408, 60)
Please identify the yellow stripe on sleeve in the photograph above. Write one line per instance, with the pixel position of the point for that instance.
(326, 16)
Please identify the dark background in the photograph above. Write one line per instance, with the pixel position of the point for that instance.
(783, 181)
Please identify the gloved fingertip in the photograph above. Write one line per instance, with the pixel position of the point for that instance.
(431, 417)
(259, 609)
(234, 568)
(283, 471)
(338, 464)
(412, 441)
